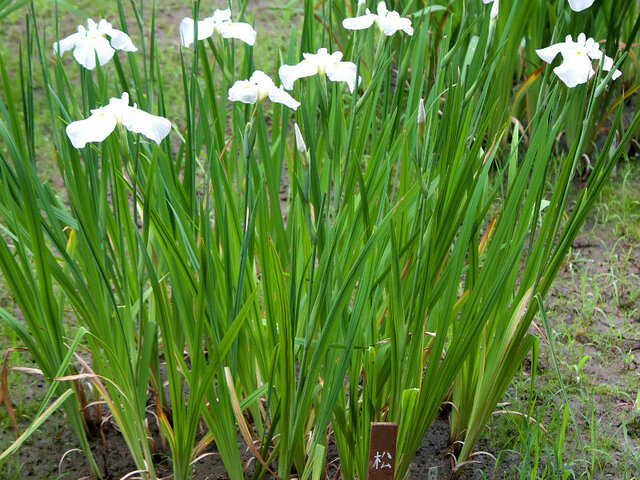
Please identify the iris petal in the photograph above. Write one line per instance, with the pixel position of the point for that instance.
(392, 22)
(579, 5)
(205, 30)
(344, 72)
(85, 52)
(575, 71)
(103, 49)
(290, 73)
(240, 30)
(243, 91)
(278, 95)
(549, 53)
(121, 41)
(93, 129)
(68, 43)
(151, 126)
(222, 15)
(359, 23)
(607, 65)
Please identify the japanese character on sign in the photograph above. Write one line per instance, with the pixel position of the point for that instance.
(379, 462)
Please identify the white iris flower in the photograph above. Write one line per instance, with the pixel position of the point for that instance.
(220, 23)
(388, 21)
(321, 63)
(577, 57)
(259, 87)
(579, 5)
(87, 43)
(104, 120)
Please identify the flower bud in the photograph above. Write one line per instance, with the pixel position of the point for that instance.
(422, 117)
(300, 145)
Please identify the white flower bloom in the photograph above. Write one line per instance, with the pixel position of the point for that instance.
(388, 21)
(577, 57)
(86, 43)
(220, 23)
(259, 87)
(495, 7)
(579, 5)
(300, 145)
(104, 120)
(321, 63)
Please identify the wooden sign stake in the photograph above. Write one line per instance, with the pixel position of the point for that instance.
(382, 451)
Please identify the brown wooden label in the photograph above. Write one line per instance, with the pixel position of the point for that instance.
(382, 451)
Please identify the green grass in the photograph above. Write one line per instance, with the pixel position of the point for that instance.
(42, 453)
(593, 314)
(619, 206)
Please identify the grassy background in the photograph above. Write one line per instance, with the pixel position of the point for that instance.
(278, 21)
(594, 310)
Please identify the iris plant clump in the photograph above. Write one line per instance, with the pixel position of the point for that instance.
(231, 283)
